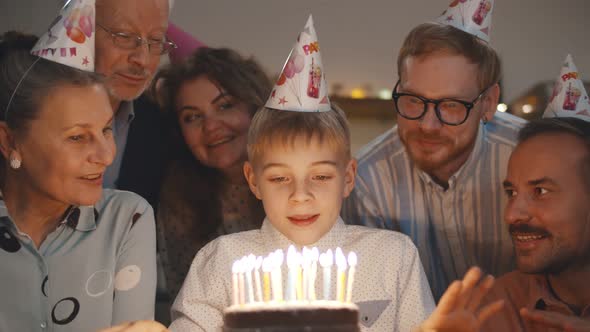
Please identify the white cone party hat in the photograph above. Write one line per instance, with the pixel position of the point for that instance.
(471, 16)
(70, 37)
(302, 87)
(569, 98)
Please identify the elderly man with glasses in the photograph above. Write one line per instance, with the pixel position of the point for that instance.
(436, 176)
(130, 39)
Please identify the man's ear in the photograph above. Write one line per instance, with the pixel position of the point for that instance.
(490, 102)
(349, 176)
(251, 178)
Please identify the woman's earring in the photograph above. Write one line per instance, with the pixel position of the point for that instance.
(15, 163)
(484, 120)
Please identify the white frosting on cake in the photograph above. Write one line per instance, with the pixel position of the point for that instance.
(288, 306)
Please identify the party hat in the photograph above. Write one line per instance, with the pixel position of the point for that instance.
(471, 16)
(569, 98)
(185, 43)
(70, 37)
(302, 87)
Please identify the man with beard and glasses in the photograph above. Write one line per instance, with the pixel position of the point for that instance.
(130, 39)
(436, 176)
(548, 217)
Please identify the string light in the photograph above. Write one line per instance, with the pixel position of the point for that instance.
(502, 107)
(527, 108)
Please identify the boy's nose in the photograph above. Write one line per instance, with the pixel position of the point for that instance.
(300, 192)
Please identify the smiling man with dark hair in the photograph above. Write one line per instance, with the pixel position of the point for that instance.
(548, 217)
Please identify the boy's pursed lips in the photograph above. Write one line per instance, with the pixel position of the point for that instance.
(303, 219)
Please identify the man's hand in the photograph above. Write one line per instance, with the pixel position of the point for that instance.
(556, 320)
(459, 308)
(138, 326)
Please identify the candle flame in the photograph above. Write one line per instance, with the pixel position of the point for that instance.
(327, 259)
(292, 260)
(279, 257)
(258, 263)
(250, 263)
(352, 259)
(267, 263)
(243, 264)
(315, 254)
(307, 257)
(340, 259)
(236, 267)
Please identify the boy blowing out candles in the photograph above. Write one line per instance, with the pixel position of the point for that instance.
(300, 166)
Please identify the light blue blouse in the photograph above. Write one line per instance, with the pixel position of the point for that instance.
(98, 268)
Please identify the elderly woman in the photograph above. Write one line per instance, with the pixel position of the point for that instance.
(74, 257)
(210, 99)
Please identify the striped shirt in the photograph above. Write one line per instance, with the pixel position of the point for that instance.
(454, 228)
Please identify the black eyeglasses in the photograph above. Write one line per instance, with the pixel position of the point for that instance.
(131, 42)
(450, 111)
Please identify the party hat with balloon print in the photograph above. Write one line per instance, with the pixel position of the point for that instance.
(471, 16)
(301, 86)
(569, 97)
(69, 40)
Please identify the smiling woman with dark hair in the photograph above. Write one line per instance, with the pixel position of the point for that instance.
(74, 257)
(209, 100)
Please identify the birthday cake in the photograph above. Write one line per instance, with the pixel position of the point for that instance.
(319, 316)
(259, 305)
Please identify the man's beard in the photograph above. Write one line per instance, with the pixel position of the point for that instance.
(556, 265)
(425, 162)
(558, 262)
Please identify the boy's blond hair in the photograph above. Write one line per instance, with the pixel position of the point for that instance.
(270, 127)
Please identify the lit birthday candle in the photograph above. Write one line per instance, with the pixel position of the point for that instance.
(299, 278)
(315, 254)
(352, 260)
(235, 284)
(257, 265)
(277, 276)
(292, 274)
(306, 266)
(248, 268)
(326, 261)
(341, 276)
(266, 269)
(241, 280)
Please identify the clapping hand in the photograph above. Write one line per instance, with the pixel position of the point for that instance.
(138, 326)
(556, 320)
(459, 308)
